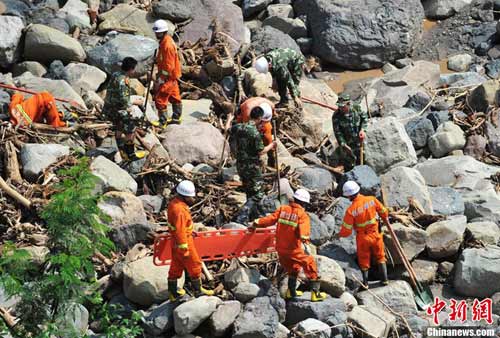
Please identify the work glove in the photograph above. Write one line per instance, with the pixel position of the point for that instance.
(362, 135)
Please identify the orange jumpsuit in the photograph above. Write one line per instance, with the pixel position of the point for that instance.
(184, 254)
(265, 128)
(37, 108)
(169, 71)
(362, 215)
(294, 227)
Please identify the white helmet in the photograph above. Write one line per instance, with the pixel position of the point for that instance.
(268, 111)
(186, 188)
(261, 65)
(302, 195)
(160, 26)
(350, 188)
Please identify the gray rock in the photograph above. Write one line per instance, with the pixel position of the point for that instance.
(484, 95)
(76, 319)
(245, 292)
(413, 241)
(366, 178)
(282, 331)
(388, 145)
(313, 328)
(4, 103)
(320, 233)
(389, 67)
(419, 130)
(15, 8)
(448, 137)
(241, 275)
(160, 320)
(493, 135)
(45, 44)
(11, 30)
(345, 260)
(303, 308)
(316, 178)
(269, 38)
(401, 63)
(127, 17)
(438, 118)
(462, 79)
(111, 176)
(76, 14)
(460, 62)
(362, 46)
(371, 319)
(277, 302)
(188, 316)
(6, 301)
(477, 272)
(108, 56)
(123, 208)
(332, 276)
(38, 254)
(349, 300)
(152, 203)
(424, 270)
(496, 303)
(197, 142)
(476, 146)
(401, 183)
(446, 201)
(445, 237)
(445, 269)
(251, 7)
(258, 319)
(419, 101)
(144, 283)
(398, 295)
(442, 9)
(223, 318)
(281, 10)
(83, 77)
(174, 11)
(337, 323)
(305, 45)
(35, 158)
(35, 68)
(488, 232)
(485, 205)
(296, 28)
(493, 69)
(128, 235)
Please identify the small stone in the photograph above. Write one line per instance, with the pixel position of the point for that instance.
(245, 292)
(448, 137)
(313, 328)
(446, 201)
(223, 318)
(459, 63)
(371, 319)
(487, 232)
(398, 295)
(445, 237)
(241, 275)
(111, 176)
(35, 158)
(189, 315)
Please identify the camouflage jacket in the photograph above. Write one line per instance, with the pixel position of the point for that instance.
(347, 126)
(118, 93)
(246, 142)
(286, 64)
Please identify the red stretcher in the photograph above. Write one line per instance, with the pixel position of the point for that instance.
(220, 244)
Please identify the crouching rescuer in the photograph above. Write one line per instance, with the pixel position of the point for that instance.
(362, 216)
(294, 229)
(184, 254)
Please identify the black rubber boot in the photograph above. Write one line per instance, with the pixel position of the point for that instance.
(162, 114)
(176, 113)
(365, 278)
(292, 288)
(316, 295)
(173, 292)
(383, 273)
(129, 149)
(199, 290)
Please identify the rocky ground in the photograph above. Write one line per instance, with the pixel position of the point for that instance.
(432, 152)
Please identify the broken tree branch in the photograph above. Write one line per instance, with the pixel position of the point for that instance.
(14, 194)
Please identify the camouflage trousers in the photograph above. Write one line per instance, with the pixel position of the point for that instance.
(251, 177)
(349, 159)
(290, 81)
(122, 120)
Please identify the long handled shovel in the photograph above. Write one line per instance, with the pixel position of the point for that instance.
(275, 132)
(423, 294)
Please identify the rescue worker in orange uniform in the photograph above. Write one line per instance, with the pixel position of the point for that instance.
(293, 230)
(38, 108)
(184, 254)
(169, 72)
(362, 217)
(265, 128)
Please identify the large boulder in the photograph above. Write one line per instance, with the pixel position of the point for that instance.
(229, 20)
(124, 17)
(11, 30)
(197, 142)
(302, 308)
(83, 77)
(122, 208)
(482, 204)
(486, 231)
(484, 96)
(245, 292)
(458, 172)
(413, 241)
(366, 178)
(332, 276)
(313, 328)
(241, 275)
(398, 295)
(296, 28)
(33, 67)
(174, 11)
(76, 14)
(111, 176)
(223, 318)
(145, 283)
(316, 178)
(189, 315)
(320, 231)
(346, 261)
(268, 38)
(477, 272)
(402, 183)
(459, 62)
(425, 271)
(45, 44)
(372, 319)
(251, 7)
(35, 158)
(58, 88)
(258, 319)
(448, 137)
(419, 130)
(357, 34)
(445, 237)
(108, 56)
(387, 145)
(160, 319)
(446, 201)
(127, 236)
(442, 9)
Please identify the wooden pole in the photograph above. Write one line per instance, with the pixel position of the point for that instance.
(14, 194)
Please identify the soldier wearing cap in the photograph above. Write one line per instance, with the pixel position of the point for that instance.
(349, 126)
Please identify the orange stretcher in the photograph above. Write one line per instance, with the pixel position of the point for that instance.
(220, 244)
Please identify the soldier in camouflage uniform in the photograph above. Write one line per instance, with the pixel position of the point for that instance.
(248, 147)
(285, 65)
(117, 106)
(349, 126)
